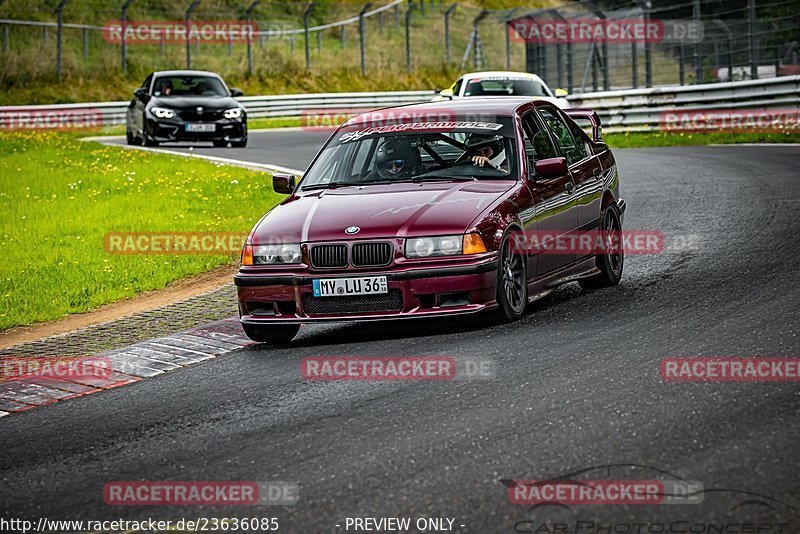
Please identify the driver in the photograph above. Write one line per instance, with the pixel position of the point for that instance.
(396, 158)
(166, 87)
(486, 150)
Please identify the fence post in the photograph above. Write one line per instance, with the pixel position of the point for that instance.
(187, 20)
(634, 65)
(6, 44)
(509, 17)
(698, 68)
(645, 6)
(447, 32)
(319, 42)
(85, 44)
(604, 45)
(411, 7)
(681, 66)
(46, 35)
(343, 35)
(248, 15)
(306, 14)
(59, 31)
(361, 37)
(124, 21)
(753, 38)
(396, 17)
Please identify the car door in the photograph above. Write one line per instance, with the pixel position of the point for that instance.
(555, 211)
(583, 165)
(137, 114)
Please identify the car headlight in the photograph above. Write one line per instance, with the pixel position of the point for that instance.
(233, 113)
(162, 113)
(446, 245)
(271, 254)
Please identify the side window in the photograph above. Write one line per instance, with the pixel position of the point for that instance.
(566, 142)
(457, 86)
(146, 83)
(537, 142)
(581, 139)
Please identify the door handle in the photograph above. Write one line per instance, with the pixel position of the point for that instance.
(596, 173)
(569, 187)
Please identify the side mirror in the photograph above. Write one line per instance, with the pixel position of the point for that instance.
(551, 167)
(236, 92)
(284, 184)
(140, 93)
(447, 93)
(561, 93)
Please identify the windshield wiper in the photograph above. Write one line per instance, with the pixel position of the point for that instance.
(442, 177)
(329, 185)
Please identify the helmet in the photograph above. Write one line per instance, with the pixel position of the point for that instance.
(396, 158)
(476, 141)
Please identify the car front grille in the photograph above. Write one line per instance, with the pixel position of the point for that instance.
(194, 116)
(371, 254)
(329, 256)
(388, 302)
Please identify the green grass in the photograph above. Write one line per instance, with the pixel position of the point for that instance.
(653, 139)
(61, 196)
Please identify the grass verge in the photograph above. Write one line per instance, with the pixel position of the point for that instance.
(61, 196)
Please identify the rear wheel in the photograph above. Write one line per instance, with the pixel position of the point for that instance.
(279, 334)
(512, 279)
(610, 263)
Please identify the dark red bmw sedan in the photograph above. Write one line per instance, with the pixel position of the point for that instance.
(435, 209)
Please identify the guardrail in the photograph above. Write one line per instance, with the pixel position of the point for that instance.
(635, 109)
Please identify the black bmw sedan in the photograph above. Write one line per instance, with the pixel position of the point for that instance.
(186, 105)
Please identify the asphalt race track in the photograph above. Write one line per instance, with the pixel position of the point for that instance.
(577, 386)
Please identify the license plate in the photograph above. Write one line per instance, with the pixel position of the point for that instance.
(201, 127)
(341, 287)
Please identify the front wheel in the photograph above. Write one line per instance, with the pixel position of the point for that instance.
(239, 144)
(610, 263)
(278, 334)
(512, 279)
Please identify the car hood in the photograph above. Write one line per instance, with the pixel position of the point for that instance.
(210, 103)
(380, 211)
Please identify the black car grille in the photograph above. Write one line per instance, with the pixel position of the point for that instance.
(388, 302)
(329, 256)
(193, 116)
(371, 254)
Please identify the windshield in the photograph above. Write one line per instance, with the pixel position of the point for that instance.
(505, 87)
(189, 86)
(426, 151)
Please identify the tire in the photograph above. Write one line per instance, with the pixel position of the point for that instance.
(512, 277)
(610, 264)
(148, 141)
(279, 334)
(129, 138)
(239, 144)
(220, 143)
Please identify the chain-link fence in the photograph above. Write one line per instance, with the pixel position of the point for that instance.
(580, 45)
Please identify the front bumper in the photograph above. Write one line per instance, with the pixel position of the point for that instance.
(285, 298)
(167, 130)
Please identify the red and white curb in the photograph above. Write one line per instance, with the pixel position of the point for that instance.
(129, 364)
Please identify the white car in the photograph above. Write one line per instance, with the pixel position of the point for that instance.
(503, 83)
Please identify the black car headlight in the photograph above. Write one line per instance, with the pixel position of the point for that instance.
(233, 113)
(162, 113)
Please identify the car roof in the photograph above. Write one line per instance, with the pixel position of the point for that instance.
(186, 73)
(502, 106)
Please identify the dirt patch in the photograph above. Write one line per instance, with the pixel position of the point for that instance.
(175, 292)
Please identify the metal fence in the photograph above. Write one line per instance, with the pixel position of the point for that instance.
(632, 109)
(698, 41)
